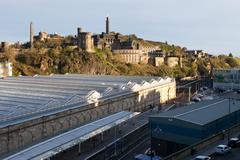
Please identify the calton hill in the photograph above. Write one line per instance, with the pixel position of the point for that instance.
(62, 55)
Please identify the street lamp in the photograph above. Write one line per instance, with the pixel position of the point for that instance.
(115, 139)
(229, 113)
(189, 94)
(151, 140)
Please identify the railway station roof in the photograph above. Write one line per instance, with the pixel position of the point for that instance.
(26, 97)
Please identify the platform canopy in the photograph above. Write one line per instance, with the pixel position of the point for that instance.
(71, 138)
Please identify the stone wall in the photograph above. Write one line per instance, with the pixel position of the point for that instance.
(4, 46)
(20, 135)
(130, 58)
(5, 69)
(172, 61)
(159, 61)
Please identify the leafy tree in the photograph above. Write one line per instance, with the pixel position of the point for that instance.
(231, 62)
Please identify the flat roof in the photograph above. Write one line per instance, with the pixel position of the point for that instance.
(26, 97)
(204, 112)
(71, 138)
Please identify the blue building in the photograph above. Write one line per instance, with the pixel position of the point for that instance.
(181, 127)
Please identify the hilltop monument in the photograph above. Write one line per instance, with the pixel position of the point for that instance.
(31, 35)
(107, 25)
(85, 40)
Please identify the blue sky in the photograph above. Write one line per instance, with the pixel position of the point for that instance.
(211, 25)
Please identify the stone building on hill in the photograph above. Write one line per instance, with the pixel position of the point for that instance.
(110, 40)
(43, 36)
(133, 56)
(128, 50)
(173, 61)
(131, 50)
(158, 58)
(85, 40)
(107, 39)
(5, 69)
(4, 46)
(197, 53)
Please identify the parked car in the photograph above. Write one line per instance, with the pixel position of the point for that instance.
(199, 95)
(148, 152)
(222, 149)
(229, 90)
(141, 157)
(221, 90)
(146, 157)
(202, 158)
(208, 98)
(234, 142)
(205, 88)
(196, 99)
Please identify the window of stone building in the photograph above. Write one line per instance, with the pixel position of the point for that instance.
(138, 46)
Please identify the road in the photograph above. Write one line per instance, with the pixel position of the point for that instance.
(209, 151)
(233, 155)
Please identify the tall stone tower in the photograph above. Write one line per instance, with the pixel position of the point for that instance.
(79, 31)
(85, 40)
(107, 25)
(31, 35)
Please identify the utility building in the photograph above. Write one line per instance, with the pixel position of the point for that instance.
(179, 128)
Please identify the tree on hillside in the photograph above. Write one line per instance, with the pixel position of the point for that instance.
(194, 69)
(232, 62)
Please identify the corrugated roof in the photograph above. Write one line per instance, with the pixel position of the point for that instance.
(203, 112)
